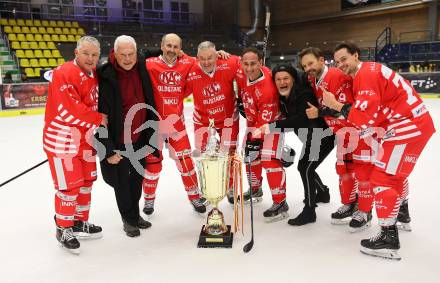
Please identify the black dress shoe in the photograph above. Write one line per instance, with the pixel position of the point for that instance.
(143, 224)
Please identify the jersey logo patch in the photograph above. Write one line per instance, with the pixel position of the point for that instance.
(171, 78)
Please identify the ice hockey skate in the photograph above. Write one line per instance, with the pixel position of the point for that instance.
(148, 207)
(385, 244)
(343, 214)
(84, 230)
(200, 204)
(277, 212)
(67, 240)
(403, 218)
(257, 196)
(360, 221)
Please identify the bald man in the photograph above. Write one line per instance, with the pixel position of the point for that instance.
(168, 74)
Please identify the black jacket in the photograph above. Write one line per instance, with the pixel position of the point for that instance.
(294, 108)
(110, 103)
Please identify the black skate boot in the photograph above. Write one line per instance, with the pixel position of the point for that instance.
(403, 218)
(360, 221)
(199, 204)
(308, 215)
(67, 239)
(257, 195)
(277, 212)
(148, 206)
(385, 244)
(131, 230)
(323, 196)
(343, 214)
(85, 230)
(143, 224)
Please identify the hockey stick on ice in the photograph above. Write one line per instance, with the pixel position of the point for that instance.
(22, 173)
(250, 245)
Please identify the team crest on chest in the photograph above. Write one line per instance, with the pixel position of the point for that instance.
(171, 78)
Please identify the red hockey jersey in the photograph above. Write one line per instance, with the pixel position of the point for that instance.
(336, 82)
(384, 99)
(260, 98)
(169, 83)
(71, 111)
(213, 94)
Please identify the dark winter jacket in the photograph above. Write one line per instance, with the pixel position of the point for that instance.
(110, 103)
(293, 108)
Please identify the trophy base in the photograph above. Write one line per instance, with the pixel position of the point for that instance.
(216, 241)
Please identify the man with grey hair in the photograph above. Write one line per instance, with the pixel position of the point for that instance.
(210, 81)
(70, 119)
(124, 89)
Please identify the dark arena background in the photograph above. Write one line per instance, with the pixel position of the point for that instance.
(39, 35)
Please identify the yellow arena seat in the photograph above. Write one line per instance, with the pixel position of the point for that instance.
(25, 30)
(20, 22)
(60, 61)
(42, 30)
(45, 23)
(75, 24)
(71, 38)
(15, 45)
(37, 72)
(34, 30)
(38, 37)
(60, 24)
(12, 37)
(4, 22)
(7, 29)
(55, 37)
(12, 22)
(66, 31)
(56, 53)
(46, 37)
(81, 31)
(52, 23)
(38, 54)
(68, 24)
(25, 63)
(51, 45)
(77, 37)
(33, 45)
(42, 45)
(34, 63)
(16, 29)
(21, 37)
(58, 30)
(25, 45)
(30, 37)
(53, 62)
(63, 38)
(29, 23)
(43, 63)
(50, 30)
(47, 53)
(20, 54)
(29, 53)
(29, 72)
(37, 23)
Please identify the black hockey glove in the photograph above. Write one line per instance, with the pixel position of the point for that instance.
(287, 156)
(252, 150)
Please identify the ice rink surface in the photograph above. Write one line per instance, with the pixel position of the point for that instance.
(167, 252)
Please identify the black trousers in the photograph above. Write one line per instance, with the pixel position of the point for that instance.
(128, 189)
(312, 156)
